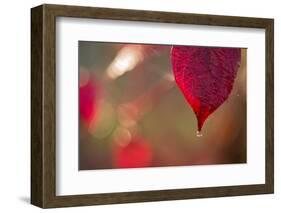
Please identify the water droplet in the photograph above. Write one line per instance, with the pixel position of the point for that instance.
(199, 134)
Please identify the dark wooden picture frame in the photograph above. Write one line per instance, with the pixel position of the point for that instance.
(43, 105)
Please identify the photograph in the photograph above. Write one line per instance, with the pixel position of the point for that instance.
(155, 105)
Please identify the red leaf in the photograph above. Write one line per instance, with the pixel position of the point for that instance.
(205, 76)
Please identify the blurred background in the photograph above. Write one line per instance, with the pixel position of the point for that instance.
(133, 115)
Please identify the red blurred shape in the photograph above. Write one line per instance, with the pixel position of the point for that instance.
(205, 76)
(136, 154)
(88, 102)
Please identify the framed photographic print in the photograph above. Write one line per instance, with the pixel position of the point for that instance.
(135, 106)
